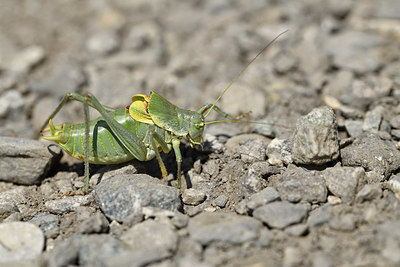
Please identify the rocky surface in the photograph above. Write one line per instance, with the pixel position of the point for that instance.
(314, 183)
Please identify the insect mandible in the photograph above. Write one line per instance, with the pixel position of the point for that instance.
(149, 125)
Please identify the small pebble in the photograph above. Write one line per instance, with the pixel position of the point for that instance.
(193, 197)
(221, 201)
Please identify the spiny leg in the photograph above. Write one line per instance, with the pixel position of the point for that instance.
(69, 96)
(175, 145)
(165, 148)
(130, 141)
(87, 118)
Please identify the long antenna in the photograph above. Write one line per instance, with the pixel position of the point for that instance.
(243, 70)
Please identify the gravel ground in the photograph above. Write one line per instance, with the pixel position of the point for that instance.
(315, 184)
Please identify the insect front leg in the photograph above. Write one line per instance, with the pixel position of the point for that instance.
(175, 145)
(206, 107)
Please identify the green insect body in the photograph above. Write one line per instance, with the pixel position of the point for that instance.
(104, 147)
(116, 137)
(149, 125)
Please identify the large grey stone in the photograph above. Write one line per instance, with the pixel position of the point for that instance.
(20, 241)
(281, 214)
(315, 139)
(263, 197)
(297, 184)
(151, 241)
(226, 228)
(67, 204)
(85, 250)
(373, 154)
(343, 181)
(25, 161)
(48, 223)
(124, 195)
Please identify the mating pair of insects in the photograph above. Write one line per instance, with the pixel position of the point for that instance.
(149, 125)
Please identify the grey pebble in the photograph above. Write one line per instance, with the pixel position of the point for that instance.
(193, 210)
(373, 119)
(319, 216)
(24, 60)
(10, 201)
(265, 237)
(142, 35)
(297, 184)
(150, 241)
(353, 50)
(121, 196)
(387, 10)
(369, 192)
(395, 133)
(248, 147)
(223, 227)
(394, 185)
(67, 204)
(221, 201)
(61, 77)
(25, 161)
(14, 217)
(346, 222)
(281, 214)
(180, 220)
(362, 93)
(372, 153)
(48, 223)
(103, 43)
(297, 229)
(9, 101)
(279, 152)
(249, 184)
(213, 144)
(343, 181)
(353, 127)
(108, 171)
(267, 195)
(193, 197)
(241, 207)
(118, 78)
(315, 139)
(96, 223)
(20, 241)
(263, 169)
(395, 122)
(292, 256)
(339, 82)
(84, 250)
(250, 99)
(388, 237)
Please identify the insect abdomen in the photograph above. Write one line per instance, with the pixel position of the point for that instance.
(104, 147)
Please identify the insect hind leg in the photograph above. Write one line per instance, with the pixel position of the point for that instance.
(66, 98)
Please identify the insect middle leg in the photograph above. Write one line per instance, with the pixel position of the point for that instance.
(165, 148)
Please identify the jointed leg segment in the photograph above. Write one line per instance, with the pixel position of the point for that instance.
(131, 142)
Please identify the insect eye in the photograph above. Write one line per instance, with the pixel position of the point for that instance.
(199, 125)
